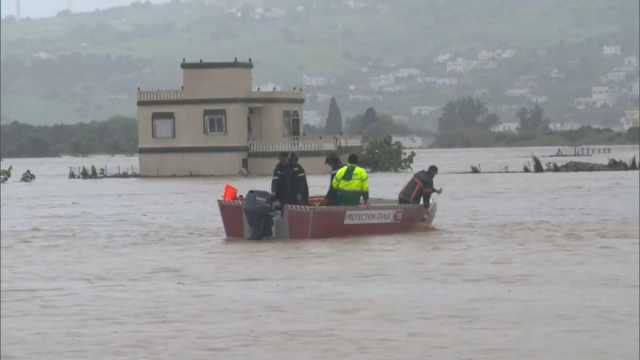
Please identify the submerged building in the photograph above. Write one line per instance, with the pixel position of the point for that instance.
(215, 124)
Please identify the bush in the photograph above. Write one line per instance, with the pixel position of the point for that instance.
(381, 154)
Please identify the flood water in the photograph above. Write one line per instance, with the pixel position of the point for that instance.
(520, 266)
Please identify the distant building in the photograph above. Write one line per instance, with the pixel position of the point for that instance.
(582, 103)
(631, 119)
(379, 82)
(631, 61)
(611, 50)
(614, 76)
(459, 65)
(216, 125)
(423, 110)
(538, 99)
(507, 54)
(481, 92)
(406, 72)
(410, 142)
(443, 58)
(364, 98)
(518, 92)
(564, 126)
(441, 82)
(313, 81)
(602, 95)
(400, 119)
(506, 127)
(557, 74)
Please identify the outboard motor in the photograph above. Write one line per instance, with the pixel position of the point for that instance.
(259, 214)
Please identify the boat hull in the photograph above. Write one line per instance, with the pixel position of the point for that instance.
(316, 222)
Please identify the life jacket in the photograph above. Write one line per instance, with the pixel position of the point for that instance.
(351, 182)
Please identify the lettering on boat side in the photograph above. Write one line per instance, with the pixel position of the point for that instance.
(372, 216)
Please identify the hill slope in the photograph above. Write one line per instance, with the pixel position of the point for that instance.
(82, 67)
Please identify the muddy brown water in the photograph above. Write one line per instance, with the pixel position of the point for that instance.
(520, 266)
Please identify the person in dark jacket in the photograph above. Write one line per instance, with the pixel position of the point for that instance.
(333, 161)
(289, 183)
(420, 187)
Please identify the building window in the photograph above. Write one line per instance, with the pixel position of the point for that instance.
(163, 125)
(290, 123)
(215, 122)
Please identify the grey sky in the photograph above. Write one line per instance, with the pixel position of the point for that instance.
(44, 8)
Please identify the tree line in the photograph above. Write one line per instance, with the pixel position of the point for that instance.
(467, 122)
(117, 135)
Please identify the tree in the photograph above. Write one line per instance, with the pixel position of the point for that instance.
(334, 119)
(466, 122)
(374, 125)
(532, 122)
(370, 117)
(466, 113)
(382, 154)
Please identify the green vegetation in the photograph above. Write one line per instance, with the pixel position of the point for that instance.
(334, 119)
(465, 122)
(82, 67)
(374, 125)
(585, 135)
(382, 154)
(532, 122)
(117, 135)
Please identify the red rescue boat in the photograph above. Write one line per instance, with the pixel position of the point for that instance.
(318, 221)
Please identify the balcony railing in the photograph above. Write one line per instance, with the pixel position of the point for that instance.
(151, 95)
(306, 143)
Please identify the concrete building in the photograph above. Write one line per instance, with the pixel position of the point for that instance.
(611, 50)
(631, 119)
(506, 127)
(216, 125)
(602, 95)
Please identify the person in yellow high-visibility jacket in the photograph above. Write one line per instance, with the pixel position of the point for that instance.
(351, 183)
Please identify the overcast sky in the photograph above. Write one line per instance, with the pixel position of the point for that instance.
(44, 8)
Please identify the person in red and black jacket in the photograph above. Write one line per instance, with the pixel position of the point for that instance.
(420, 187)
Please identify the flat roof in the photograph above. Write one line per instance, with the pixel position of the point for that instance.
(216, 65)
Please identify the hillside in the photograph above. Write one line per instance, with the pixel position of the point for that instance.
(83, 67)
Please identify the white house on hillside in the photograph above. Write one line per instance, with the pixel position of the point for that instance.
(611, 50)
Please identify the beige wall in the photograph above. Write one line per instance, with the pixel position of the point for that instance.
(267, 124)
(188, 164)
(265, 166)
(189, 126)
(217, 164)
(216, 83)
(271, 116)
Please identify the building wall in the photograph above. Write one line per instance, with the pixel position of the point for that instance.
(189, 125)
(216, 83)
(218, 164)
(271, 118)
(265, 165)
(215, 86)
(191, 164)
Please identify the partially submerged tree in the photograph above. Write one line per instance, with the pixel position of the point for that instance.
(382, 154)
